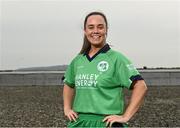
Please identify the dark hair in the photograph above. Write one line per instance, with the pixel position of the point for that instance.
(86, 44)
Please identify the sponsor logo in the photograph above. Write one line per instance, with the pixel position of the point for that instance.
(130, 67)
(80, 67)
(86, 81)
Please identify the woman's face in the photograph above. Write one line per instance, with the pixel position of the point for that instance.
(95, 30)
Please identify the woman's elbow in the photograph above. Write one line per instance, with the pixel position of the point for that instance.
(141, 85)
(145, 88)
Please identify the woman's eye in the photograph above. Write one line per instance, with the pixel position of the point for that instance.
(101, 27)
(90, 27)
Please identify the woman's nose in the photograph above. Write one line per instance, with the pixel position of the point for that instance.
(96, 30)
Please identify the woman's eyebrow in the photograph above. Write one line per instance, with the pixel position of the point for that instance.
(100, 24)
(94, 24)
(90, 24)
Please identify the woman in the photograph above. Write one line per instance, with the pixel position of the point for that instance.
(95, 79)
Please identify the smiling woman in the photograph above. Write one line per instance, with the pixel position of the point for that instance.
(94, 81)
(95, 31)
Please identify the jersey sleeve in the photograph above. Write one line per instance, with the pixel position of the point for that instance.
(127, 73)
(69, 77)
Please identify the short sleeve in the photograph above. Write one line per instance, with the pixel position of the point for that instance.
(69, 77)
(127, 73)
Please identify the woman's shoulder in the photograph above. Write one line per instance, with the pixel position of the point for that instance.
(116, 54)
(76, 58)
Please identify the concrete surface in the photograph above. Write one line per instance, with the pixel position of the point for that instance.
(42, 106)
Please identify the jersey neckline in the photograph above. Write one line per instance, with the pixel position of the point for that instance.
(104, 49)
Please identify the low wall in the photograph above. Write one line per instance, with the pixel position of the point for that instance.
(31, 78)
(161, 77)
(152, 77)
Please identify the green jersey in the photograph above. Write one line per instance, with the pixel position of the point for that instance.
(99, 81)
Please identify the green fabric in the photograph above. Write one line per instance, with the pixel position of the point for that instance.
(89, 120)
(99, 83)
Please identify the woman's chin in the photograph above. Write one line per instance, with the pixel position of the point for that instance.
(97, 44)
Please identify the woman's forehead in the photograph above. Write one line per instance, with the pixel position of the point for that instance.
(95, 19)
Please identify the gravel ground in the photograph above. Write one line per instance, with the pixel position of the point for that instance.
(41, 106)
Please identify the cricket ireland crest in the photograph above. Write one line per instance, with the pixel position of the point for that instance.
(103, 66)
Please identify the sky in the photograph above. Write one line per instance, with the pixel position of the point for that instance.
(50, 32)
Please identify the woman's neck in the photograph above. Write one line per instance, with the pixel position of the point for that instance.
(95, 49)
